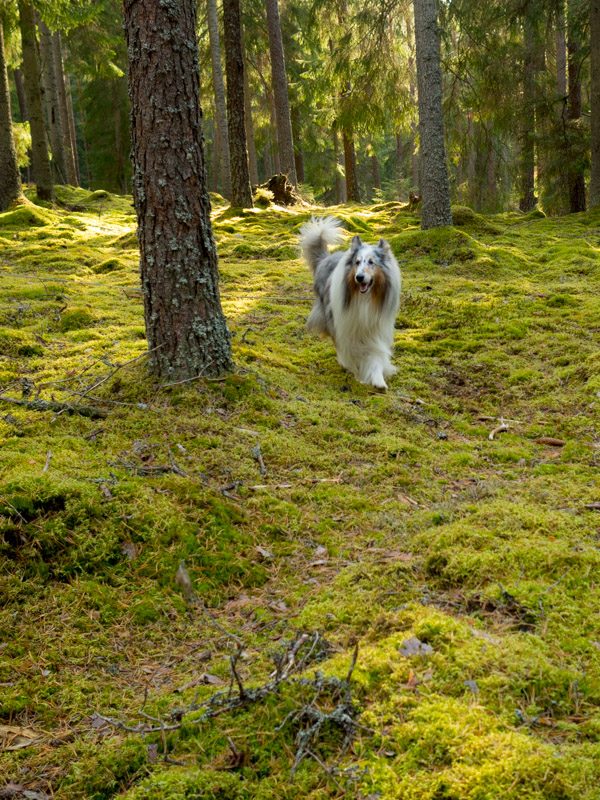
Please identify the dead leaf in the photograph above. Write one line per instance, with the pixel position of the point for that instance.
(13, 737)
(415, 647)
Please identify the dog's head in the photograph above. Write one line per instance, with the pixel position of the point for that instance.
(368, 272)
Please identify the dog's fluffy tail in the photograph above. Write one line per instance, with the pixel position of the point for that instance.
(315, 236)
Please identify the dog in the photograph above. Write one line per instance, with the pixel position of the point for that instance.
(357, 294)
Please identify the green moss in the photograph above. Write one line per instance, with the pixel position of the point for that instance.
(25, 216)
(75, 319)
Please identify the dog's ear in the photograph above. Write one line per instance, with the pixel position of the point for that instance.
(384, 246)
(356, 243)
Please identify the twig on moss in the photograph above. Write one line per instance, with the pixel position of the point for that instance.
(502, 428)
(48, 459)
(52, 405)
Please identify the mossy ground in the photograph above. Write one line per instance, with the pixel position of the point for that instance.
(380, 518)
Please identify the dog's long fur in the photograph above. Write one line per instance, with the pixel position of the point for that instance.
(357, 298)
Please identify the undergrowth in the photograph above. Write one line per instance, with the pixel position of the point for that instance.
(464, 566)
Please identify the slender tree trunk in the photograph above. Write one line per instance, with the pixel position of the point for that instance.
(298, 152)
(280, 90)
(20, 87)
(63, 108)
(241, 192)
(375, 172)
(10, 181)
(40, 162)
(73, 129)
(185, 326)
(252, 160)
(561, 56)
(595, 100)
(414, 156)
(434, 171)
(273, 131)
(576, 171)
(51, 103)
(528, 200)
(352, 189)
(220, 103)
(340, 183)
(213, 166)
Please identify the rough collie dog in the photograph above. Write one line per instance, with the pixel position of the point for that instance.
(357, 297)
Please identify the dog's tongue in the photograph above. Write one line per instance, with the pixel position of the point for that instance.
(364, 287)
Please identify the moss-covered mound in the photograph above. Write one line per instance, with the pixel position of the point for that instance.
(278, 517)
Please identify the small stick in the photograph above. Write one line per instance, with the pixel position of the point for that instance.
(51, 405)
(502, 428)
(48, 459)
(257, 454)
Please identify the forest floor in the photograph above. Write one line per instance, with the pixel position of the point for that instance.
(313, 516)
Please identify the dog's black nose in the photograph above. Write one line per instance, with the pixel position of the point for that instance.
(360, 278)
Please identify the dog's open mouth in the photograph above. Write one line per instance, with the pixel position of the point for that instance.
(364, 287)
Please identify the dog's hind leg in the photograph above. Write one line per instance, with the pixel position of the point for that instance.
(317, 321)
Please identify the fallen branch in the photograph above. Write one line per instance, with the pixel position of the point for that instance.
(502, 428)
(52, 405)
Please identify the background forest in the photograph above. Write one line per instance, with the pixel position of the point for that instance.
(516, 78)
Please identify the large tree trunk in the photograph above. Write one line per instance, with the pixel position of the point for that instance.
(185, 326)
(352, 189)
(40, 162)
(280, 89)
(51, 103)
(220, 103)
(241, 192)
(10, 182)
(576, 170)
(434, 171)
(70, 154)
(595, 100)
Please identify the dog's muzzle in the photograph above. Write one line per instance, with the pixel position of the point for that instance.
(364, 282)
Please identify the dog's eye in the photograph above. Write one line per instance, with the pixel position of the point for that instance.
(370, 261)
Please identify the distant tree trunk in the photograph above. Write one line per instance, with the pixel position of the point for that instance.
(252, 160)
(561, 56)
(70, 154)
(576, 170)
(375, 172)
(340, 183)
(595, 100)
(241, 192)
(40, 162)
(352, 188)
(280, 90)
(72, 128)
(528, 200)
(273, 131)
(10, 181)
(434, 171)
(20, 87)
(185, 326)
(51, 103)
(298, 152)
(414, 156)
(220, 103)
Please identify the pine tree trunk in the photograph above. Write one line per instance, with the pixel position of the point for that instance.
(20, 87)
(185, 326)
(51, 103)
(220, 103)
(63, 108)
(375, 173)
(273, 132)
(340, 183)
(528, 200)
(298, 152)
(73, 129)
(434, 171)
(575, 172)
(241, 192)
(40, 162)
(595, 100)
(252, 160)
(561, 56)
(352, 189)
(10, 181)
(280, 89)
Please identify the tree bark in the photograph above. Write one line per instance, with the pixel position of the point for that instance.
(528, 200)
(51, 103)
(73, 129)
(20, 87)
(285, 139)
(40, 162)
(220, 103)
(434, 171)
(595, 100)
(252, 160)
(10, 181)
(185, 326)
(576, 176)
(241, 192)
(352, 188)
(70, 156)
